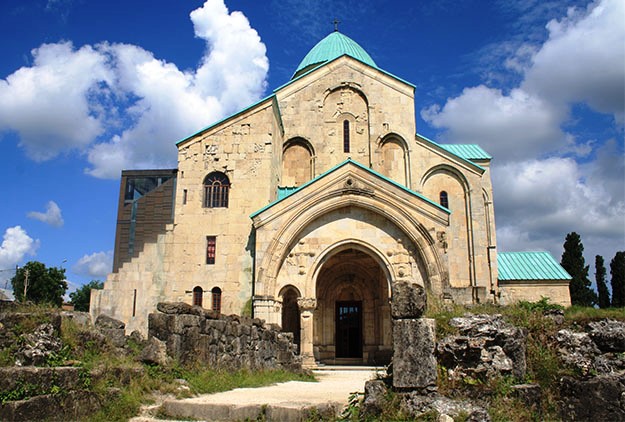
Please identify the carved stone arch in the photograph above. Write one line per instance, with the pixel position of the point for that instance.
(288, 235)
(344, 244)
(298, 157)
(447, 169)
(393, 159)
(346, 85)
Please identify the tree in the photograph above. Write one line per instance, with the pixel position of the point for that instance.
(602, 288)
(43, 285)
(573, 263)
(617, 270)
(82, 296)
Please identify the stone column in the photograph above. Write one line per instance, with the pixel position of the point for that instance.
(414, 339)
(307, 307)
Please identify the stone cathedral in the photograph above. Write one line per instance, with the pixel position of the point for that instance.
(304, 209)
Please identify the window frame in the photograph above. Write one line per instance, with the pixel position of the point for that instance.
(216, 190)
(198, 296)
(211, 249)
(216, 299)
(444, 199)
(346, 136)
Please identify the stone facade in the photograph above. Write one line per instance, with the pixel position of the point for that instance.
(364, 211)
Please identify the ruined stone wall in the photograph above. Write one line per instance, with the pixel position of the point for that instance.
(195, 335)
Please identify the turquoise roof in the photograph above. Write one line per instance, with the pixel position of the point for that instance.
(467, 151)
(529, 266)
(425, 138)
(285, 192)
(333, 46)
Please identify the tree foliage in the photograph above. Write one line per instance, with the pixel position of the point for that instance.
(43, 285)
(573, 262)
(617, 271)
(602, 288)
(82, 296)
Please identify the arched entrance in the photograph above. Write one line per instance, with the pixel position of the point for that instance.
(291, 314)
(352, 318)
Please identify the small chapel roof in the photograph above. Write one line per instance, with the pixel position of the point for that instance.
(333, 46)
(529, 266)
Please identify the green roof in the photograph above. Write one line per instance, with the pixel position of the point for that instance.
(529, 266)
(467, 151)
(333, 46)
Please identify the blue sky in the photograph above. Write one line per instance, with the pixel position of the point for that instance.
(90, 87)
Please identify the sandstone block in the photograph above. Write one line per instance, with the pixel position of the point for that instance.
(414, 365)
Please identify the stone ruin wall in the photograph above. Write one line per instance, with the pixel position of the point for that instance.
(194, 335)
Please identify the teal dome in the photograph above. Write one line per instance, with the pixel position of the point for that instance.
(333, 46)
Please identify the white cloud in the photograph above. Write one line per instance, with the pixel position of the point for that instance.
(584, 60)
(48, 104)
(541, 192)
(537, 202)
(513, 126)
(96, 265)
(52, 216)
(125, 108)
(16, 244)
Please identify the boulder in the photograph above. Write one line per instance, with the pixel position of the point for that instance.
(106, 322)
(577, 350)
(414, 364)
(599, 398)
(408, 300)
(487, 346)
(608, 335)
(416, 405)
(375, 399)
(154, 353)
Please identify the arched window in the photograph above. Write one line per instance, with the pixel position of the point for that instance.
(197, 296)
(444, 200)
(345, 135)
(216, 291)
(216, 189)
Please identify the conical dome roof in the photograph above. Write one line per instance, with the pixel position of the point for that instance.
(331, 47)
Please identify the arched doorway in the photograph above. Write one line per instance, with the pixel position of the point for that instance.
(352, 319)
(290, 314)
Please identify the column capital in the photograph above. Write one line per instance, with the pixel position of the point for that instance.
(307, 303)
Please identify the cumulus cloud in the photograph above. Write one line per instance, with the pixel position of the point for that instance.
(96, 265)
(548, 182)
(51, 216)
(576, 64)
(16, 244)
(514, 126)
(582, 61)
(539, 201)
(125, 108)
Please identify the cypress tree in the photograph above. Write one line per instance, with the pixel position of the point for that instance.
(602, 288)
(573, 262)
(617, 270)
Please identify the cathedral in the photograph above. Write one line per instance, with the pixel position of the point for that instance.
(304, 208)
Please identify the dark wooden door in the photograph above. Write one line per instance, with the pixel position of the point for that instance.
(349, 329)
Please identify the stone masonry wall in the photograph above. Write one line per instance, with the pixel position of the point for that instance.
(195, 335)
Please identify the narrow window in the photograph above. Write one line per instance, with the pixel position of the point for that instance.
(444, 200)
(345, 135)
(216, 291)
(184, 197)
(197, 296)
(216, 190)
(211, 247)
(134, 303)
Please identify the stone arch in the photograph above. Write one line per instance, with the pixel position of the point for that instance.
(345, 102)
(444, 178)
(393, 158)
(416, 234)
(352, 294)
(297, 162)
